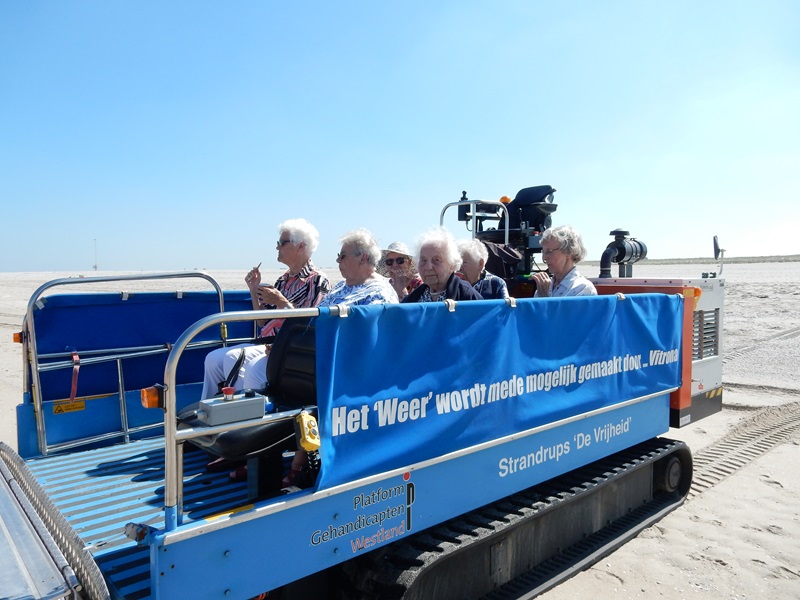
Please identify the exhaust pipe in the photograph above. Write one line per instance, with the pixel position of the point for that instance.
(623, 251)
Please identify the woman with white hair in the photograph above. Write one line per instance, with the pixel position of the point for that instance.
(562, 250)
(358, 260)
(362, 285)
(301, 286)
(473, 268)
(438, 259)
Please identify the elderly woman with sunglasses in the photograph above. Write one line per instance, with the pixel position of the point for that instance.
(301, 286)
(438, 260)
(398, 266)
(358, 261)
(562, 250)
(362, 285)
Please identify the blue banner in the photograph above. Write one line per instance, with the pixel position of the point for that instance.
(400, 384)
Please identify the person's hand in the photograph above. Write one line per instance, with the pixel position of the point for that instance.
(253, 279)
(542, 281)
(272, 296)
(400, 282)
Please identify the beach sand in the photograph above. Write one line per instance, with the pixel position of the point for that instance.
(740, 538)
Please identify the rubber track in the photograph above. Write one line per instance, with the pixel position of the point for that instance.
(390, 573)
(752, 438)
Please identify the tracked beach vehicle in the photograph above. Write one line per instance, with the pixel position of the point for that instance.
(457, 450)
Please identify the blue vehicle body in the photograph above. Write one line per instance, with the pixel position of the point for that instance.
(425, 412)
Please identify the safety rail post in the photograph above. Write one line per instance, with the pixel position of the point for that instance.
(123, 406)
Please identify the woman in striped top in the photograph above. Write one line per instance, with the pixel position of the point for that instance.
(301, 286)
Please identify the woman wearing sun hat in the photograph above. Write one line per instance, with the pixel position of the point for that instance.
(399, 267)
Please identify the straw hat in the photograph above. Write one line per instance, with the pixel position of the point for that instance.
(397, 248)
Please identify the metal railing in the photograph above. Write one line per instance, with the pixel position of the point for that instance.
(474, 214)
(32, 380)
(174, 439)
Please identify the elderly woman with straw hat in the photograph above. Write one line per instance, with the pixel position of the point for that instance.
(398, 265)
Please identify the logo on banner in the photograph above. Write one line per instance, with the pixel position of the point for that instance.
(378, 516)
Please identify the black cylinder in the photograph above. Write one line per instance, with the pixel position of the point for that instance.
(621, 251)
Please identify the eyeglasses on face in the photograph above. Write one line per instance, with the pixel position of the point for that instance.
(341, 255)
(545, 252)
(283, 243)
(390, 261)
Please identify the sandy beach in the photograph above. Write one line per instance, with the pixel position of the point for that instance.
(737, 537)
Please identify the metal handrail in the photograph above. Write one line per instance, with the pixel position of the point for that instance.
(473, 203)
(173, 440)
(31, 351)
(120, 354)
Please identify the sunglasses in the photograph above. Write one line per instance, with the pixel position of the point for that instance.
(283, 242)
(341, 255)
(390, 261)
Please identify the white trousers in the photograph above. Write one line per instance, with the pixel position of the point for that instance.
(219, 362)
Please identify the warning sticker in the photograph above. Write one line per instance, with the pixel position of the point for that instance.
(67, 407)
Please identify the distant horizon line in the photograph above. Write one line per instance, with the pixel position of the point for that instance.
(775, 258)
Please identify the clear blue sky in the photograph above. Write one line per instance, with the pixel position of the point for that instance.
(179, 134)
